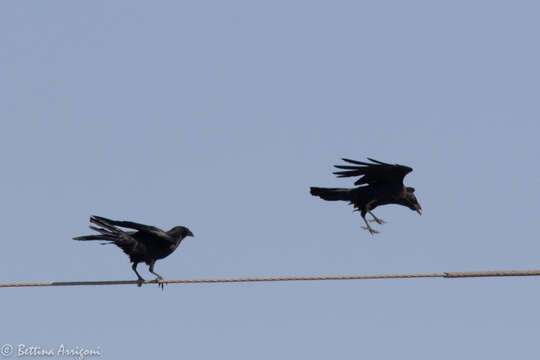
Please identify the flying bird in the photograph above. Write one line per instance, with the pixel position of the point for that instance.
(380, 184)
(146, 244)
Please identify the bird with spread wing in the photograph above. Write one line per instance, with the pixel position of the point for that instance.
(147, 244)
(380, 184)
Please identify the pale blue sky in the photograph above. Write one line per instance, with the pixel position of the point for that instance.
(219, 115)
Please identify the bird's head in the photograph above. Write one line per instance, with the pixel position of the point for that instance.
(411, 201)
(180, 231)
(186, 232)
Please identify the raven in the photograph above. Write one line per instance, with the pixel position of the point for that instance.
(383, 185)
(147, 244)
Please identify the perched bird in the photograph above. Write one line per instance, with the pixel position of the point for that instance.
(382, 184)
(147, 244)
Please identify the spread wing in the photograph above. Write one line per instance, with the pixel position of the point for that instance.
(153, 231)
(373, 173)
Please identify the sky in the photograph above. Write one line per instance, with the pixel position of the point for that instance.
(219, 115)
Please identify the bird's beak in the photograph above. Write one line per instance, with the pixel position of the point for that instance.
(419, 211)
(190, 234)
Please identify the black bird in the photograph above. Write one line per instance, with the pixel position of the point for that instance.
(147, 244)
(383, 185)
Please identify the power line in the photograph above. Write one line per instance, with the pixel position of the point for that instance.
(449, 275)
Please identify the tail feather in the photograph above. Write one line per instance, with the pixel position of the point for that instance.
(331, 193)
(95, 237)
(104, 231)
(107, 231)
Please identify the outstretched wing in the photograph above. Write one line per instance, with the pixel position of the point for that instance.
(153, 231)
(373, 173)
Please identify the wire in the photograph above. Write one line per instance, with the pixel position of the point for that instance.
(466, 274)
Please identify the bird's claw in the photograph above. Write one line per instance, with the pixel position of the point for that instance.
(371, 231)
(160, 282)
(140, 281)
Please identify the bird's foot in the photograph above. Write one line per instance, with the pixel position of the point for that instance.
(140, 281)
(160, 282)
(371, 231)
(378, 221)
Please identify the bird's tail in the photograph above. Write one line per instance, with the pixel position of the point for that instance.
(95, 237)
(331, 193)
(107, 231)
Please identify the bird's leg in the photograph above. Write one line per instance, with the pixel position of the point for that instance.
(376, 219)
(368, 228)
(140, 280)
(158, 278)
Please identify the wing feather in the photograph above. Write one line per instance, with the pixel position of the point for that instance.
(376, 172)
(151, 230)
